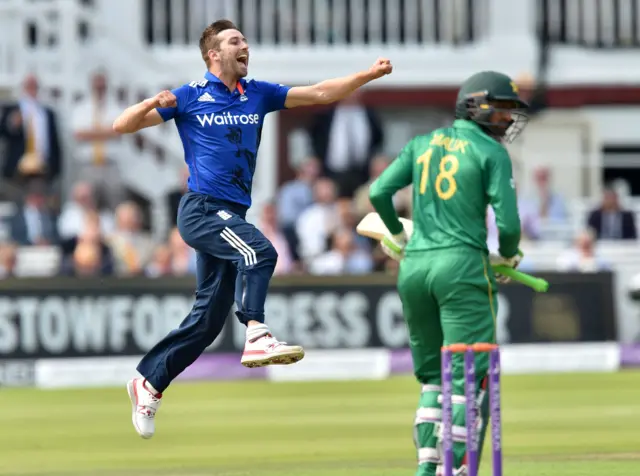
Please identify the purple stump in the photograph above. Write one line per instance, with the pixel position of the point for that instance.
(494, 402)
(471, 412)
(447, 411)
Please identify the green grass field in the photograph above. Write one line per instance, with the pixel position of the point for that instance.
(569, 425)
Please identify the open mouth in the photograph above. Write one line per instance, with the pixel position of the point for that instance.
(243, 60)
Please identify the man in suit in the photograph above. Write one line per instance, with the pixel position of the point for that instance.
(30, 131)
(345, 139)
(33, 223)
(611, 221)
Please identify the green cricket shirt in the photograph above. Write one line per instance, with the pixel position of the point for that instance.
(456, 173)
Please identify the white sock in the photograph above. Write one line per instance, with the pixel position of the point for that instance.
(255, 332)
(149, 387)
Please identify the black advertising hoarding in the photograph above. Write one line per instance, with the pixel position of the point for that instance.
(73, 318)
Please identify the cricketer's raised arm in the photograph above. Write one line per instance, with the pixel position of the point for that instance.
(395, 177)
(501, 191)
(333, 90)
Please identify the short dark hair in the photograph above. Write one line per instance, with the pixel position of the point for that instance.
(209, 38)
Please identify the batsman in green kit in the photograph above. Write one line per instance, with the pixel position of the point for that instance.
(445, 282)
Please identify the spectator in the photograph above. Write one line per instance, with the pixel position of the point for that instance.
(160, 265)
(347, 221)
(610, 221)
(317, 222)
(269, 227)
(99, 147)
(174, 197)
(75, 212)
(33, 223)
(31, 132)
(7, 260)
(294, 197)
(547, 206)
(583, 257)
(131, 246)
(183, 257)
(361, 200)
(345, 139)
(402, 199)
(343, 258)
(86, 260)
(91, 234)
(529, 222)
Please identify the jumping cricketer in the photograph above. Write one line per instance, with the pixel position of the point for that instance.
(219, 119)
(445, 281)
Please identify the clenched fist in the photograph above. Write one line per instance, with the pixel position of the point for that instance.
(381, 67)
(165, 99)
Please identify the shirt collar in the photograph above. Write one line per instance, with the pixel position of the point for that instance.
(209, 76)
(472, 126)
(465, 124)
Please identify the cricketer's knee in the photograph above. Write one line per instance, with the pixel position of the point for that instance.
(252, 285)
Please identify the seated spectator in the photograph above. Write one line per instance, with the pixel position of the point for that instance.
(86, 260)
(343, 258)
(89, 234)
(269, 228)
(7, 260)
(294, 197)
(33, 222)
(318, 221)
(160, 265)
(610, 221)
(582, 257)
(401, 200)
(529, 223)
(546, 206)
(132, 247)
(75, 211)
(183, 257)
(347, 221)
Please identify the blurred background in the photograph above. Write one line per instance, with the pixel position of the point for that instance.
(87, 217)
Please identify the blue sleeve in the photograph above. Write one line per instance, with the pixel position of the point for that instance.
(274, 95)
(182, 96)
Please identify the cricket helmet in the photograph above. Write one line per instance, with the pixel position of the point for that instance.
(489, 92)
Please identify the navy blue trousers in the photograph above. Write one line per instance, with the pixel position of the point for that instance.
(235, 262)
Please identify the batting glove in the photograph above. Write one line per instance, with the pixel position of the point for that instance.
(512, 262)
(393, 246)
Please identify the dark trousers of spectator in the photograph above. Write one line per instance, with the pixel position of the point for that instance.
(291, 235)
(235, 261)
(348, 181)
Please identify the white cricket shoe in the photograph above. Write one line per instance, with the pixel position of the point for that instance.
(267, 350)
(144, 406)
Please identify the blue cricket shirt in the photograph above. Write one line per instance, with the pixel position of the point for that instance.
(220, 132)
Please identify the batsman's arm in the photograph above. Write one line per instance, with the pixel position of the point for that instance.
(395, 177)
(332, 90)
(502, 196)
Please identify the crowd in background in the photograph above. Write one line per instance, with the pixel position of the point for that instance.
(101, 229)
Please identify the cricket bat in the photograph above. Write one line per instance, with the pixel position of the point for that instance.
(372, 227)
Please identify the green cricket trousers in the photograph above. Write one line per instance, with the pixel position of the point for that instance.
(448, 297)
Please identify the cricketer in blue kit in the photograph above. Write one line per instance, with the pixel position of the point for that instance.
(219, 119)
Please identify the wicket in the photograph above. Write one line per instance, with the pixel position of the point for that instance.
(471, 411)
